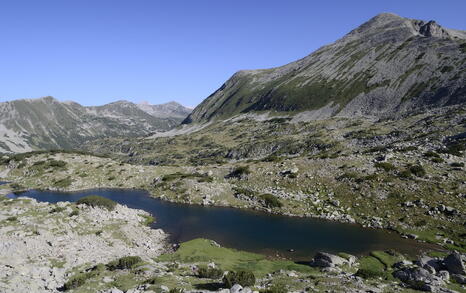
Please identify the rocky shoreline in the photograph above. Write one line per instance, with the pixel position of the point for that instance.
(41, 243)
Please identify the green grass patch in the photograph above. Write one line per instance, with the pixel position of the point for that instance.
(148, 219)
(205, 251)
(370, 267)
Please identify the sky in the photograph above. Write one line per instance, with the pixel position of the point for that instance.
(98, 51)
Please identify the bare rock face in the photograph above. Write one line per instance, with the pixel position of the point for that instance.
(327, 260)
(432, 29)
(388, 66)
(419, 279)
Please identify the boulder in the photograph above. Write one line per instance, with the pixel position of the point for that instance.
(428, 262)
(237, 288)
(460, 279)
(419, 279)
(326, 260)
(454, 264)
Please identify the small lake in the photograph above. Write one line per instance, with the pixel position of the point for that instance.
(249, 230)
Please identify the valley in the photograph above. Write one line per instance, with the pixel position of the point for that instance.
(343, 171)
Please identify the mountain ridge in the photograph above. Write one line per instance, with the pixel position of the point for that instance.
(386, 66)
(46, 123)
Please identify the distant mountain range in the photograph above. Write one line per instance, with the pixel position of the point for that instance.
(46, 123)
(388, 66)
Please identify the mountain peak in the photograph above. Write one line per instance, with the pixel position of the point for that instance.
(391, 27)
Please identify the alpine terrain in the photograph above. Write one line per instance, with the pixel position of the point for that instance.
(348, 167)
(388, 66)
(47, 123)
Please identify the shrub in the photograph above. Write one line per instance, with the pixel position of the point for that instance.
(244, 191)
(239, 172)
(457, 165)
(57, 210)
(58, 164)
(431, 154)
(417, 170)
(210, 273)
(272, 158)
(455, 148)
(271, 201)
(385, 166)
(176, 290)
(12, 219)
(243, 278)
(74, 213)
(406, 174)
(63, 183)
(78, 280)
(276, 288)
(437, 160)
(126, 262)
(97, 201)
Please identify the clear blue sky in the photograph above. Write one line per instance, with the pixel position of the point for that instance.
(99, 51)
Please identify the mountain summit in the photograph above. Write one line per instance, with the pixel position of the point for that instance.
(387, 66)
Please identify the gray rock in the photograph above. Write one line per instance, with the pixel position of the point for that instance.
(236, 289)
(460, 279)
(326, 260)
(454, 264)
(419, 279)
(434, 263)
(445, 275)
(402, 264)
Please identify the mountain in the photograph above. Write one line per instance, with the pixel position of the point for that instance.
(388, 66)
(46, 123)
(167, 110)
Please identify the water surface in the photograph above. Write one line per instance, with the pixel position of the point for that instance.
(249, 230)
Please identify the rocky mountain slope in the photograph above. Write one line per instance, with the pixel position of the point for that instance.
(388, 65)
(47, 123)
(167, 110)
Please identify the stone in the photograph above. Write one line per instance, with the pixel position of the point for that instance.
(434, 263)
(325, 260)
(454, 264)
(237, 288)
(460, 279)
(445, 275)
(419, 278)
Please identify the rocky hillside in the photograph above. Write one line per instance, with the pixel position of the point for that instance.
(388, 65)
(167, 110)
(47, 123)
